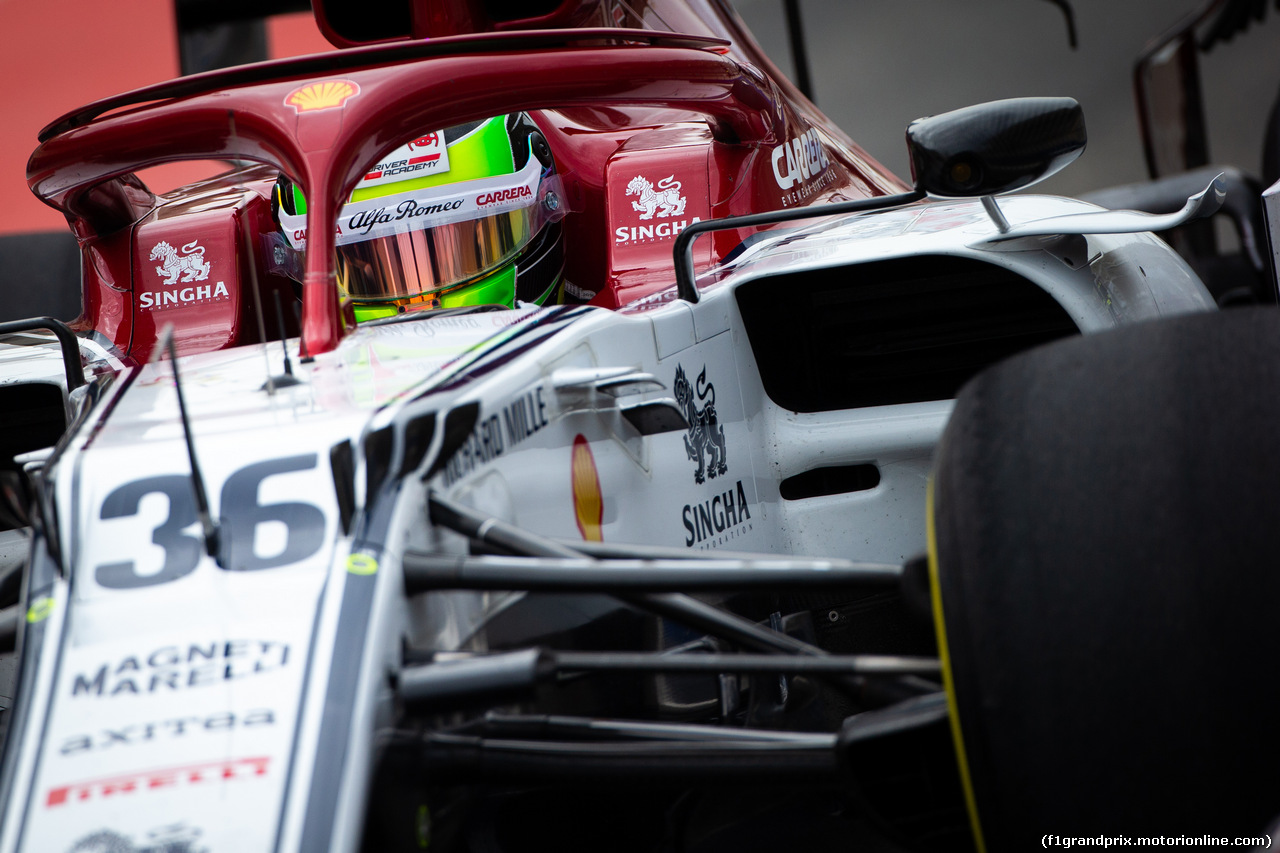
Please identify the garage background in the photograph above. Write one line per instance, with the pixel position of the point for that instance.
(878, 64)
(875, 66)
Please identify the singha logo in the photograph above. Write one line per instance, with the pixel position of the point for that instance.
(705, 436)
(191, 265)
(666, 200)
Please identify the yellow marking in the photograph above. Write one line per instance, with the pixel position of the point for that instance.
(948, 682)
(424, 827)
(321, 96)
(362, 564)
(588, 501)
(40, 609)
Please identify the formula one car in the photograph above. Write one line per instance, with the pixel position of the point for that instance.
(578, 503)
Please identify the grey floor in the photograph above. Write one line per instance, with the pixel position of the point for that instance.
(878, 64)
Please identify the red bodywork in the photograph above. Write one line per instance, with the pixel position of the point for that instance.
(702, 114)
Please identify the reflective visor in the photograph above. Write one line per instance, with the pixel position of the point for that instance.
(418, 242)
(412, 263)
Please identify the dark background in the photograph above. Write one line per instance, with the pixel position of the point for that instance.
(878, 64)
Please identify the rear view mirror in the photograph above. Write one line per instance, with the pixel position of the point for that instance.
(994, 148)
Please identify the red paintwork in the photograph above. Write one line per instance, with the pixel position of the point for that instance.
(124, 292)
(611, 111)
(108, 288)
(215, 310)
(439, 18)
(84, 63)
(639, 239)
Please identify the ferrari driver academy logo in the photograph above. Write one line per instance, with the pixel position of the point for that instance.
(321, 96)
(426, 155)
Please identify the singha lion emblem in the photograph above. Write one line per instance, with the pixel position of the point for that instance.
(191, 265)
(666, 200)
(705, 436)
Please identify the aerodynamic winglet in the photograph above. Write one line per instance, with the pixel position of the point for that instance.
(1199, 206)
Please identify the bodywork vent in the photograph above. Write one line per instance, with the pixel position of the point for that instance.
(899, 331)
(33, 418)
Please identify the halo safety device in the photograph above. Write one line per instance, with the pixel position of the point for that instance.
(468, 215)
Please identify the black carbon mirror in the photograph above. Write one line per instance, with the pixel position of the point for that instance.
(994, 148)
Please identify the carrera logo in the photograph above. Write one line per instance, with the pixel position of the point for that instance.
(300, 236)
(149, 780)
(799, 159)
(321, 96)
(504, 196)
(172, 668)
(166, 730)
(403, 167)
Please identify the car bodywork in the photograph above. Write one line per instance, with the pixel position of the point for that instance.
(226, 634)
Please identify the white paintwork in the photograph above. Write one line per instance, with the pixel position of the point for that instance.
(532, 405)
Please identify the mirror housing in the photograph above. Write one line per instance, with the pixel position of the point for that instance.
(996, 147)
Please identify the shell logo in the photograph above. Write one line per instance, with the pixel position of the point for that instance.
(588, 500)
(321, 96)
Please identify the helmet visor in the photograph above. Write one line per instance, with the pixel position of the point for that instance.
(415, 243)
(412, 263)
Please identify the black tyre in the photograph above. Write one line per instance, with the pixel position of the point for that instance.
(1106, 515)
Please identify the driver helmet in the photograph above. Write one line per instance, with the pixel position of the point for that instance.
(468, 215)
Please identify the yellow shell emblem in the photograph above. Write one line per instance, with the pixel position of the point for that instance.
(321, 96)
(588, 499)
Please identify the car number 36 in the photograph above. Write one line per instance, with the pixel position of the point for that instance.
(241, 516)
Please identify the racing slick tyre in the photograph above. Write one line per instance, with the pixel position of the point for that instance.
(1103, 543)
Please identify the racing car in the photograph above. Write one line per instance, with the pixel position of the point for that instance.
(523, 443)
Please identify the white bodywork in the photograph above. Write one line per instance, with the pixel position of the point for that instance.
(161, 690)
